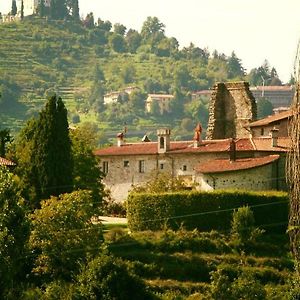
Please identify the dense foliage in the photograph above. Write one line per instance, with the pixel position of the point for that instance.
(60, 55)
(204, 210)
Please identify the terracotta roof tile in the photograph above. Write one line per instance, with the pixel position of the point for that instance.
(270, 119)
(225, 165)
(5, 162)
(265, 144)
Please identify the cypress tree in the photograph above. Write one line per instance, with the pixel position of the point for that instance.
(13, 8)
(52, 158)
(42, 8)
(75, 10)
(22, 10)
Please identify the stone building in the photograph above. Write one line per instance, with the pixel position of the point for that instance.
(163, 101)
(129, 164)
(232, 108)
(265, 126)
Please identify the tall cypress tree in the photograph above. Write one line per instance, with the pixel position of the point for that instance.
(41, 9)
(13, 8)
(52, 157)
(22, 10)
(75, 10)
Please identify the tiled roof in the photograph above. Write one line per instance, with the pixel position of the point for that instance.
(265, 144)
(5, 162)
(176, 147)
(226, 165)
(158, 96)
(275, 88)
(270, 119)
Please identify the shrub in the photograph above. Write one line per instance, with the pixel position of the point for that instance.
(203, 210)
(242, 226)
(108, 278)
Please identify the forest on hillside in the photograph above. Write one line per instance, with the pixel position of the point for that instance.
(82, 60)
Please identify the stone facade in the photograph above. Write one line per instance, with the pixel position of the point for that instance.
(163, 101)
(256, 179)
(232, 108)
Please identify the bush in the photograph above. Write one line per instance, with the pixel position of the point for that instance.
(203, 210)
(108, 278)
(242, 226)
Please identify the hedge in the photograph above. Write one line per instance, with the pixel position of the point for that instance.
(205, 210)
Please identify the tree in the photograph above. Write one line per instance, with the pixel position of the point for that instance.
(63, 235)
(75, 10)
(152, 28)
(117, 43)
(264, 108)
(128, 74)
(104, 25)
(107, 277)
(58, 9)
(119, 29)
(89, 21)
(87, 174)
(52, 157)
(43, 153)
(41, 8)
(133, 39)
(22, 9)
(14, 231)
(137, 100)
(235, 68)
(5, 138)
(14, 9)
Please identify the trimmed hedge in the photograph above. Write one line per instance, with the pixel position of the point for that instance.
(205, 210)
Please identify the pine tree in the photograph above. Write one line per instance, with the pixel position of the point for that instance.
(41, 9)
(14, 8)
(75, 10)
(52, 157)
(22, 10)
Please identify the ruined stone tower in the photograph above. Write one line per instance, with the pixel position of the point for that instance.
(232, 108)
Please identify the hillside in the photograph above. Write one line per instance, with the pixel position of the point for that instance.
(81, 64)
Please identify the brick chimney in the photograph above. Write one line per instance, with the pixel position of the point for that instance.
(274, 137)
(163, 136)
(232, 150)
(197, 135)
(120, 139)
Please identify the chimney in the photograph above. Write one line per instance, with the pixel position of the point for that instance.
(197, 136)
(120, 139)
(163, 136)
(232, 150)
(274, 137)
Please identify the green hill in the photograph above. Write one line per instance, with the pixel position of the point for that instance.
(41, 56)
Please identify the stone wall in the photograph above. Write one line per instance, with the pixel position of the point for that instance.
(256, 179)
(232, 108)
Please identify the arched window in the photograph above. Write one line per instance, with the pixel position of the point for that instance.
(161, 143)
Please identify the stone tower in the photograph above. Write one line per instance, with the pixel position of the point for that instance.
(232, 108)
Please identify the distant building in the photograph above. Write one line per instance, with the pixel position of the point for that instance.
(111, 97)
(162, 100)
(6, 162)
(277, 95)
(31, 6)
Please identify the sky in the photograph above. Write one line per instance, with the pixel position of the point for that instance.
(254, 29)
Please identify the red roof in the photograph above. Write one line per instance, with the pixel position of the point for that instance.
(276, 88)
(270, 119)
(226, 165)
(5, 162)
(176, 147)
(265, 144)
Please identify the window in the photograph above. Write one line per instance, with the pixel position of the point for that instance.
(126, 163)
(142, 166)
(105, 167)
(161, 166)
(184, 168)
(161, 143)
(262, 131)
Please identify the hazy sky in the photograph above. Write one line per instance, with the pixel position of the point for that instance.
(254, 29)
